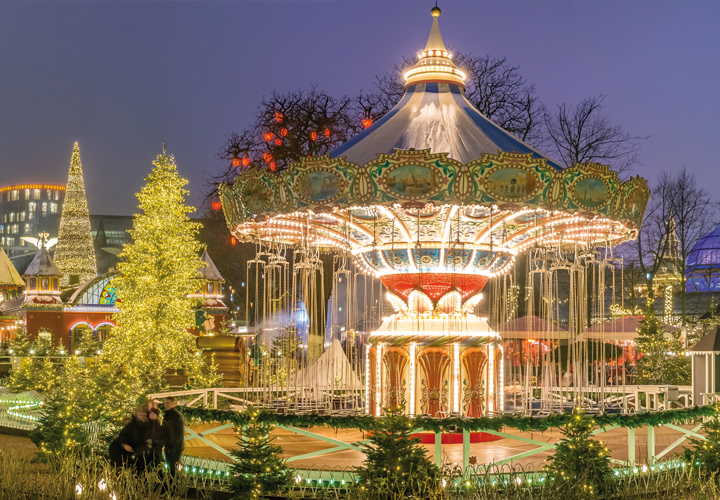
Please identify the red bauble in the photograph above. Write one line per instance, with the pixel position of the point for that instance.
(367, 122)
(236, 162)
(233, 240)
(327, 132)
(272, 165)
(269, 136)
(216, 205)
(284, 132)
(246, 161)
(279, 116)
(313, 136)
(278, 141)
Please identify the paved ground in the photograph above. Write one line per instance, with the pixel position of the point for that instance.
(295, 445)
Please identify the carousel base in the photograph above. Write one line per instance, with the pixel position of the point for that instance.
(455, 437)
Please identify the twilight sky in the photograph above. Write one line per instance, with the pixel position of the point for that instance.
(122, 77)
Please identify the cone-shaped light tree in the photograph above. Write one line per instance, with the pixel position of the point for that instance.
(75, 254)
(159, 271)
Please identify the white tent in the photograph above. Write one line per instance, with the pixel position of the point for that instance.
(332, 371)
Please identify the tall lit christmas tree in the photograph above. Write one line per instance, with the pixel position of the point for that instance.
(75, 254)
(159, 271)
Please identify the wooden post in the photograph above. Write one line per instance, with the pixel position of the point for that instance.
(651, 444)
(466, 449)
(438, 449)
(631, 446)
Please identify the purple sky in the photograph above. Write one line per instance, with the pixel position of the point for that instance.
(123, 77)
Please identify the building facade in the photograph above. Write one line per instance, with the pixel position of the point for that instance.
(27, 210)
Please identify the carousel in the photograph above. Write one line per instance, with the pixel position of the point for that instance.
(428, 204)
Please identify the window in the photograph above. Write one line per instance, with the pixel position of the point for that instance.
(27, 228)
(56, 195)
(10, 242)
(44, 208)
(49, 194)
(36, 194)
(210, 288)
(15, 194)
(12, 217)
(56, 284)
(22, 216)
(53, 208)
(31, 215)
(32, 206)
(45, 283)
(32, 283)
(27, 194)
(15, 229)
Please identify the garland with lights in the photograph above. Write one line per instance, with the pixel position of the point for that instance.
(369, 423)
(706, 453)
(75, 253)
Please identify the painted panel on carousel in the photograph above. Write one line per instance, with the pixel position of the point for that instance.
(319, 186)
(413, 181)
(511, 183)
(397, 258)
(426, 259)
(482, 259)
(375, 261)
(457, 259)
(256, 196)
(590, 192)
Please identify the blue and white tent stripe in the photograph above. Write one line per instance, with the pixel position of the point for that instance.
(434, 116)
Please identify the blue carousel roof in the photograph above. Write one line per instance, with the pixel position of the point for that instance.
(706, 253)
(434, 114)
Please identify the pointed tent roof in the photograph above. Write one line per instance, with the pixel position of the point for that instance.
(434, 114)
(332, 370)
(530, 327)
(709, 343)
(42, 265)
(8, 274)
(209, 272)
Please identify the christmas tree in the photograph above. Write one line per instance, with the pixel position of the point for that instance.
(580, 464)
(664, 360)
(705, 456)
(158, 274)
(258, 468)
(74, 253)
(396, 466)
(34, 374)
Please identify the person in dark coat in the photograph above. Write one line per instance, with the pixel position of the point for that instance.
(174, 426)
(130, 441)
(154, 437)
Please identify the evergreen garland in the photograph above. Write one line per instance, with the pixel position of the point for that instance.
(258, 468)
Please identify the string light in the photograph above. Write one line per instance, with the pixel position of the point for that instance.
(75, 253)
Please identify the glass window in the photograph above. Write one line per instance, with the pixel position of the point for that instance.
(45, 283)
(11, 242)
(22, 216)
(44, 207)
(32, 206)
(15, 194)
(56, 284)
(27, 228)
(36, 194)
(32, 283)
(15, 229)
(53, 208)
(12, 216)
(49, 194)
(56, 195)
(27, 194)
(31, 215)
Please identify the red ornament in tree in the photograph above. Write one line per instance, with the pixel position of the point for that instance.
(236, 162)
(327, 132)
(278, 141)
(233, 240)
(279, 116)
(272, 165)
(313, 135)
(284, 132)
(268, 136)
(367, 122)
(267, 157)
(216, 205)
(246, 161)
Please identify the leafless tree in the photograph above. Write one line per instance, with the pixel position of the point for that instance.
(580, 133)
(692, 214)
(494, 87)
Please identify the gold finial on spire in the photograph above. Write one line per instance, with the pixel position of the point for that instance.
(435, 11)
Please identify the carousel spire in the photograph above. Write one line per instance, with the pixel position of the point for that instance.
(435, 63)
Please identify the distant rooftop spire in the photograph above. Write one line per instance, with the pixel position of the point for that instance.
(435, 63)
